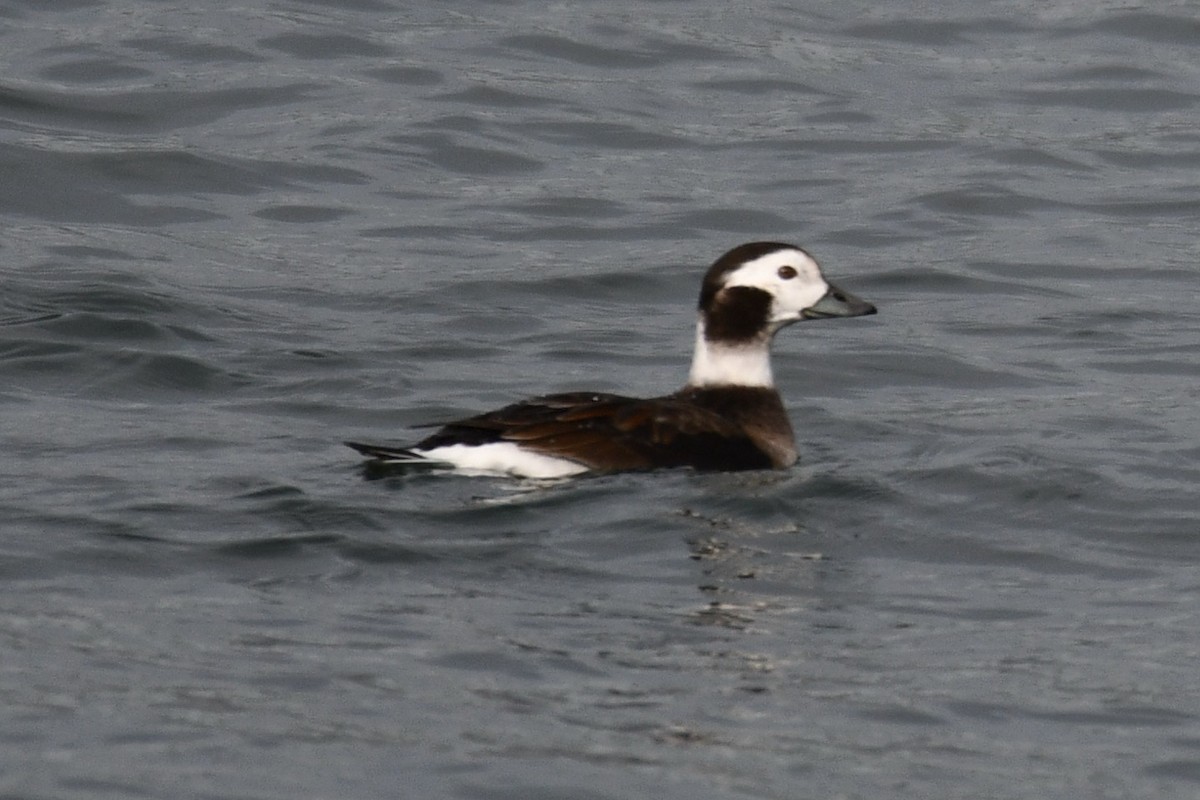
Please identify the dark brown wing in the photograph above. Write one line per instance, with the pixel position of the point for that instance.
(609, 432)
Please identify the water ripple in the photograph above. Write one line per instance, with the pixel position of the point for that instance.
(236, 236)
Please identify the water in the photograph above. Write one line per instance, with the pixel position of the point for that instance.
(235, 237)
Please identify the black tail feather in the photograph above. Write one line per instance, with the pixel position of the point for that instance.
(388, 453)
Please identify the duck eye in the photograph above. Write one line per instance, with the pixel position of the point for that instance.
(787, 273)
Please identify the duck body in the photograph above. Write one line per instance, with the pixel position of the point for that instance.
(728, 428)
(728, 416)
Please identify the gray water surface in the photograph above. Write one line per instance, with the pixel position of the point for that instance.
(235, 237)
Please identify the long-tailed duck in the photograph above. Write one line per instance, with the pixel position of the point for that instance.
(727, 417)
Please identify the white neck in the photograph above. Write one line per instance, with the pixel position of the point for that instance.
(716, 364)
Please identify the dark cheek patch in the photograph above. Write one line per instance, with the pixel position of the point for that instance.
(737, 314)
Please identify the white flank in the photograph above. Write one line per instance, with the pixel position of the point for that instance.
(716, 364)
(503, 458)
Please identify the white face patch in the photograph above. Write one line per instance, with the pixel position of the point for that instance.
(793, 289)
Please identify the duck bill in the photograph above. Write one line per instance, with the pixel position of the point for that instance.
(837, 303)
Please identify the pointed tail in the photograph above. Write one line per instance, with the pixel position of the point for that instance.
(391, 455)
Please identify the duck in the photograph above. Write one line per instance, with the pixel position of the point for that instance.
(728, 416)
